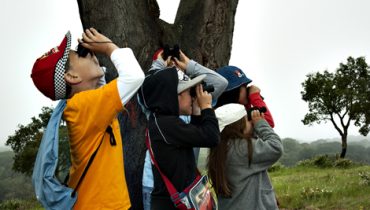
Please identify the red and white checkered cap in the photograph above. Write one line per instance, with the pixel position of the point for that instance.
(48, 70)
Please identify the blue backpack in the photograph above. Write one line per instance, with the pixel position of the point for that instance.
(49, 190)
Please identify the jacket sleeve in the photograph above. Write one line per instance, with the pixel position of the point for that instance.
(157, 65)
(212, 77)
(203, 131)
(267, 149)
(255, 100)
(130, 74)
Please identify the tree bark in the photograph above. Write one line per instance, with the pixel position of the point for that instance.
(344, 146)
(203, 30)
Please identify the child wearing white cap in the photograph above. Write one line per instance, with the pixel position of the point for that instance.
(238, 165)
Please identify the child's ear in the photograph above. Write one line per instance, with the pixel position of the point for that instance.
(72, 78)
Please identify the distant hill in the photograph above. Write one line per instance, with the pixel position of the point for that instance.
(354, 140)
(13, 185)
(361, 140)
(3, 149)
(358, 150)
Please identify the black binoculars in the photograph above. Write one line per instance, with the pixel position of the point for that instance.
(174, 52)
(260, 109)
(82, 51)
(206, 87)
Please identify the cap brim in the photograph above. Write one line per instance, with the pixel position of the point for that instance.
(233, 86)
(183, 85)
(60, 68)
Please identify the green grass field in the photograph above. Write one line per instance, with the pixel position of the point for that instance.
(313, 188)
(306, 187)
(300, 187)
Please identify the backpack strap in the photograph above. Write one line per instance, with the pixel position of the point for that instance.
(113, 143)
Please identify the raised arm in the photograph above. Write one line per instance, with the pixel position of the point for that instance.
(130, 74)
(255, 99)
(193, 69)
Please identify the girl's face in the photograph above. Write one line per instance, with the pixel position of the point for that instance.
(243, 98)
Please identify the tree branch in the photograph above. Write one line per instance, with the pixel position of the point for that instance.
(208, 34)
(335, 125)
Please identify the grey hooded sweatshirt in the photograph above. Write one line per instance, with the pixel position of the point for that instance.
(251, 186)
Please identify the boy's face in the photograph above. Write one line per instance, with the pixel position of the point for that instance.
(87, 68)
(185, 103)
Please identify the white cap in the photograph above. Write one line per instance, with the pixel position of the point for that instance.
(229, 113)
(185, 82)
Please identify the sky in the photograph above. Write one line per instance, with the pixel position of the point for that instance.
(276, 43)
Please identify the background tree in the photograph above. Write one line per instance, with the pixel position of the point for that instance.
(341, 98)
(26, 140)
(203, 30)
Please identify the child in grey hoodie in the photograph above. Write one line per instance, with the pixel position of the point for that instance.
(238, 166)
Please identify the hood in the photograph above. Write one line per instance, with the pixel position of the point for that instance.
(159, 92)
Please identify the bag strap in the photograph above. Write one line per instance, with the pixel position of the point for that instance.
(92, 159)
(171, 189)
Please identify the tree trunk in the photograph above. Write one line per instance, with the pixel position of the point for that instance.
(344, 146)
(203, 30)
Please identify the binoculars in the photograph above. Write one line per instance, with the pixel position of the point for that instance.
(82, 51)
(260, 109)
(174, 52)
(206, 87)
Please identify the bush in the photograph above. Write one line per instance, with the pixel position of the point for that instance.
(276, 167)
(10, 204)
(321, 161)
(326, 161)
(364, 178)
(307, 162)
(343, 163)
(314, 193)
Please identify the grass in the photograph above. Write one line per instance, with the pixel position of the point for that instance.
(17, 204)
(300, 187)
(315, 188)
(307, 187)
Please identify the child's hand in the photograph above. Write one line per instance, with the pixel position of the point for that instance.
(253, 89)
(183, 62)
(168, 62)
(196, 108)
(203, 97)
(256, 116)
(97, 42)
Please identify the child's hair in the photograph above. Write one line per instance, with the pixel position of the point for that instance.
(218, 155)
(231, 96)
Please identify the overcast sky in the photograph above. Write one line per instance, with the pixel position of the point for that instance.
(276, 43)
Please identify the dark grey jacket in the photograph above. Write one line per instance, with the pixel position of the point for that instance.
(251, 186)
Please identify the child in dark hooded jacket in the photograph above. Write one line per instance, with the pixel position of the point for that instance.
(166, 94)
